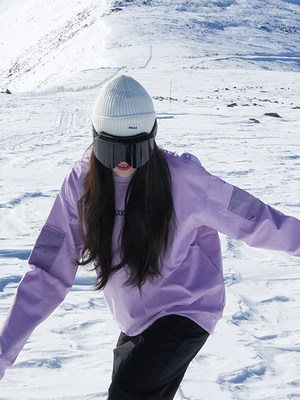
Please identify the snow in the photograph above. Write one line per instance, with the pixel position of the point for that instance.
(55, 57)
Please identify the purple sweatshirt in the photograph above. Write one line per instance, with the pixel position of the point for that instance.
(192, 281)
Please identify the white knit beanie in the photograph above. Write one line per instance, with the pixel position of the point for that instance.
(123, 108)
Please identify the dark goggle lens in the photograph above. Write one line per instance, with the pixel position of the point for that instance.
(134, 150)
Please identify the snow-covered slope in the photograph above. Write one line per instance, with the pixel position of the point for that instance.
(229, 63)
(44, 42)
(217, 34)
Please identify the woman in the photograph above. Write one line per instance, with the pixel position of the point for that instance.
(148, 220)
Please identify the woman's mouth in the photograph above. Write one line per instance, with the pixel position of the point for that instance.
(123, 166)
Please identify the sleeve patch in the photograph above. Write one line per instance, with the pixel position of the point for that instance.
(244, 204)
(46, 248)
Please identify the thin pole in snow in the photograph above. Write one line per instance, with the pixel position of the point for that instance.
(170, 92)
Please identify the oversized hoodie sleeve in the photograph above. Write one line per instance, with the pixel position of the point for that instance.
(240, 215)
(52, 273)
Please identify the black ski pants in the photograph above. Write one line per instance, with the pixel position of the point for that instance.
(151, 365)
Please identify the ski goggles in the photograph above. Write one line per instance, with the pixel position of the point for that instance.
(134, 150)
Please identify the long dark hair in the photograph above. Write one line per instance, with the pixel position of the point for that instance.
(149, 220)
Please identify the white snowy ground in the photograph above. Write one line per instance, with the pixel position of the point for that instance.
(216, 54)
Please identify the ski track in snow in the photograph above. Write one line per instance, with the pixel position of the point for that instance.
(255, 351)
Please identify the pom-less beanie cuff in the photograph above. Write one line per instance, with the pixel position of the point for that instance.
(123, 108)
(125, 126)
